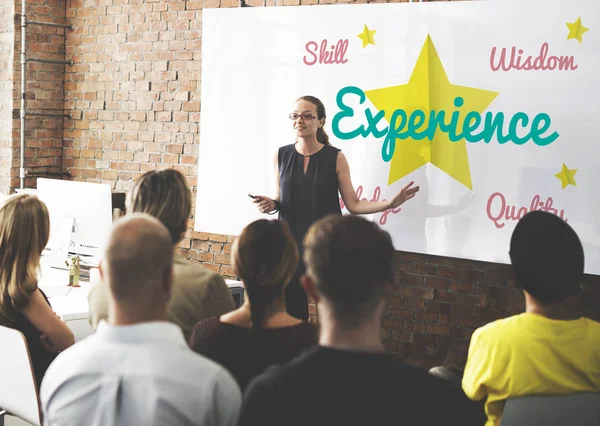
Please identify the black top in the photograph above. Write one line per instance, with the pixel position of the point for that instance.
(335, 387)
(40, 357)
(305, 198)
(246, 353)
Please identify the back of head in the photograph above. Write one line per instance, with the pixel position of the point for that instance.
(138, 260)
(24, 232)
(547, 257)
(350, 259)
(265, 257)
(165, 195)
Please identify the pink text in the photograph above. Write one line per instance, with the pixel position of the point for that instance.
(499, 212)
(526, 63)
(335, 54)
(375, 198)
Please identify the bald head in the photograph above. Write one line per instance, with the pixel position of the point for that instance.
(138, 261)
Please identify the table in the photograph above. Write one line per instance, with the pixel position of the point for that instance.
(71, 304)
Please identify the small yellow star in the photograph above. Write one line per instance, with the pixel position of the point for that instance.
(567, 176)
(367, 36)
(576, 30)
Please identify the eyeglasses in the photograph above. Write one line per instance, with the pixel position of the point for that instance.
(306, 116)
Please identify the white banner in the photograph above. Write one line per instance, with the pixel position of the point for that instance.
(489, 106)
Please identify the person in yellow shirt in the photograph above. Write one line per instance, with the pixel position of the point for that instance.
(549, 349)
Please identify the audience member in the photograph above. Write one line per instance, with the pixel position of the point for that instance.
(197, 292)
(24, 232)
(260, 333)
(349, 379)
(548, 349)
(137, 369)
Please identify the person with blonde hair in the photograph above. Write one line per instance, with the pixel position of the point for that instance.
(260, 333)
(24, 232)
(197, 292)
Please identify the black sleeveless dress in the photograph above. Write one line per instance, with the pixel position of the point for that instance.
(40, 357)
(305, 198)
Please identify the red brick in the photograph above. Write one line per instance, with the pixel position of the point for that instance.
(464, 311)
(413, 327)
(216, 247)
(222, 259)
(425, 269)
(444, 319)
(449, 272)
(414, 257)
(463, 287)
(470, 323)
(424, 339)
(477, 276)
(205, 257)
(399, 336)
(403, 291)
(437, 283)
(218, 238)
(390, 322)
(413, 304)
(413, 349)
(438, 330)
(422, 292)
(428, 317)
(200, 245)
(490, 291)
(437, 307)
(211, 267)
(403, 267)
(402, 314)
(495, 276)
(411, 280)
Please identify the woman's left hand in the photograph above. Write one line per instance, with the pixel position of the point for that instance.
(404, 195)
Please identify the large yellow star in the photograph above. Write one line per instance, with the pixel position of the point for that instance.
(566, 176)
(367, 36)
(576, 30)
(429, 89)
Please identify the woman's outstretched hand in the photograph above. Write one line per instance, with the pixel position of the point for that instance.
(404, 195)
(264, 204)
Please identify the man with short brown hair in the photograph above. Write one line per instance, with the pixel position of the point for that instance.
(349, 379)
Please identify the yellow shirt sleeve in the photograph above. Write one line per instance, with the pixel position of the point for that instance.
(477, 369)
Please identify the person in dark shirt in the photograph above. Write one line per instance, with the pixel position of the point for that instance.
(349, 379)
(260, 333)
(24, 232)
(311, 174)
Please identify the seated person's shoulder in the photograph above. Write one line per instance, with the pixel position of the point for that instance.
(206, 329)
(302, 368)
(185, 271)
(499, 330)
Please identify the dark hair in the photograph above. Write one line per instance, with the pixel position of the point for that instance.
(350, 259)
(547, 257)
(165, 195)
(265, 257)
(322, 136)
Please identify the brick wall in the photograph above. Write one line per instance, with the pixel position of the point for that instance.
(7, 35)
(134, 92)
(44, 91)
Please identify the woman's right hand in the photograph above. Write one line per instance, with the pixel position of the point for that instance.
(264, 204)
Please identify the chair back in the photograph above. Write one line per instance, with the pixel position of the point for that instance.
(578, 409)
(18, 392)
